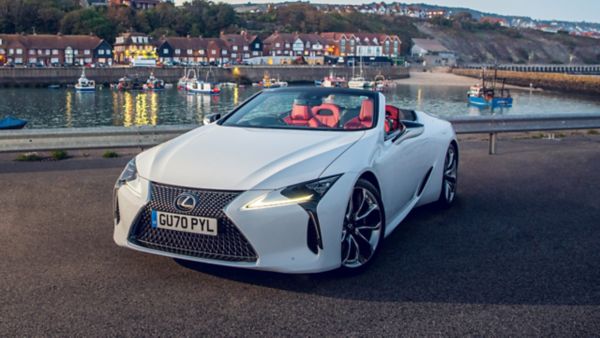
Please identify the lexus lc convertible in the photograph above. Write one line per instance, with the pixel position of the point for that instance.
(294, 180)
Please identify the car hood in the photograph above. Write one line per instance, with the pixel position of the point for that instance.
(233, 158)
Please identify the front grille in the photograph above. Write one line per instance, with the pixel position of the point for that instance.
(229, 245)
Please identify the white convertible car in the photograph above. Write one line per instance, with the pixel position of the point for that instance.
(293, 180)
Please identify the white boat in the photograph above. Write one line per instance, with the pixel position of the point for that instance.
(359, 82)
(84, 84)
(202, 87)
(332, 81)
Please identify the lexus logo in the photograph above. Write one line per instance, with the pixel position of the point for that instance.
(185, 202)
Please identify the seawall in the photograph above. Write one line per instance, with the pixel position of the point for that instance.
(584, 84)
(243, 74)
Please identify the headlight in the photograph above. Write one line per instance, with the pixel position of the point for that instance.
(304, 193)
(129, 174)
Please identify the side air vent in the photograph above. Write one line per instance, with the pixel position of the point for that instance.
(313, 234)
(424, 182)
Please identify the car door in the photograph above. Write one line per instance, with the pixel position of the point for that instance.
(402, 166)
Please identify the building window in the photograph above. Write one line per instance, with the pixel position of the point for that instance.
(32, 52)
(75, 51)
(277, 45)
(224, 52)
(40, 52)
(190, 52)
(235, 48)
(177, 51)
(19, 51)
(55, 52)
(47, 51)
(86, 52)
(2, 51)
(201, 51)
(134, 39)
(101, 52)
(166, 51)
(213, 52)
(246, 48)
(18, 61)
(54, 60)
(287, 45)
(11, 51)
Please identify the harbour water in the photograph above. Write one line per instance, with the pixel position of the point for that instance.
(60, 108)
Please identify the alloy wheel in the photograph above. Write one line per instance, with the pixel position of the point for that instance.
(450, 175)
(363, 224)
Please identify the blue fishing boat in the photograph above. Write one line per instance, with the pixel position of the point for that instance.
(486, 97)
(12, 123)
(483, 96)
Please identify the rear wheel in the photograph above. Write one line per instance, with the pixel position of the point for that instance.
(364, 224)
(449, 177)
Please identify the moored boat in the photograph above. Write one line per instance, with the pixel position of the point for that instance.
(153, 83)
(333, 81)
(202, 87)
(10, 122)
(127, 83)
(84, 84)
(482, 96)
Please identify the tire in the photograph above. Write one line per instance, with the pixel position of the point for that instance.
(449, 178)
(364, 228)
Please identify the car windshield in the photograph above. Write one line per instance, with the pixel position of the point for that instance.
(307, 108)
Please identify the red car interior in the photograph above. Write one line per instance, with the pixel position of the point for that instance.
(300, 115)
(392, 116)
(327, 115)
(364, 118)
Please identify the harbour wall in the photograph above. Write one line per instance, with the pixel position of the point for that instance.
(584, 84)
(242, 74)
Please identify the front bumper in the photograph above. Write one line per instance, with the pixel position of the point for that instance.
(274, 239)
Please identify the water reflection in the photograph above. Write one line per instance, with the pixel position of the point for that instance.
(69, 109)
(65, 108)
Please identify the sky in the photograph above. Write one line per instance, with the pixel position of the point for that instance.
(571, 10)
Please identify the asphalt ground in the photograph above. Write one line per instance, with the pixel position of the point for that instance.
(519, 254)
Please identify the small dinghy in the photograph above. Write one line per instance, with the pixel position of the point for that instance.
(12, 123)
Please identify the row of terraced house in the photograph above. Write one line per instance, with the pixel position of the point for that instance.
(46, 49)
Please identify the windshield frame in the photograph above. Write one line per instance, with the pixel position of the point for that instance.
(373, 95)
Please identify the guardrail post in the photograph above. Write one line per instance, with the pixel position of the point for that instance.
(492, 146)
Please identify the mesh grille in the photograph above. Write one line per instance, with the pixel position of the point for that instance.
(229, 245)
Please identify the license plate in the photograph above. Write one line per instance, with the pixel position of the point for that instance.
(184, 223)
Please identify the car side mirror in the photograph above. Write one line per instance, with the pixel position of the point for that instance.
(211, 118)
(411, 131)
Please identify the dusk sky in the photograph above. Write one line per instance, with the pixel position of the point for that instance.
(572, 10)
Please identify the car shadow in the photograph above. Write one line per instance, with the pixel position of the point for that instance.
(442, 256)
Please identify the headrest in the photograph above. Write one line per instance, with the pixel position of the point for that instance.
(300, 112)
(366, 110)
(327, 109)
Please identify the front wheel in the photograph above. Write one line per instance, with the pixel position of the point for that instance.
(363, 230)
(449, 177)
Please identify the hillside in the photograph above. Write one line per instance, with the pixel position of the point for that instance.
(496, 44)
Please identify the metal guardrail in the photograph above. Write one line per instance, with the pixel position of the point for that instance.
(495, 124)
(88, 138)
(122, 137)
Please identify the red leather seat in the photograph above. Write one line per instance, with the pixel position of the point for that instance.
(392, 115)
(327, 115)
(365, 117)
(299, 116)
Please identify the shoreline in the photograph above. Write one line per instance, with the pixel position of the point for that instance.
(448, 79)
